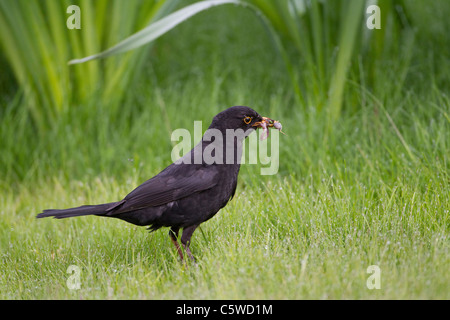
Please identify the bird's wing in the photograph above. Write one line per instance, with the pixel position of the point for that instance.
(175, 182)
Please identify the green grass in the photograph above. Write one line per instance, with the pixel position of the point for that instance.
(312, 238)
(374, 192)
(308, 234)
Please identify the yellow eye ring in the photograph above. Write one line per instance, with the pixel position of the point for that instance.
(247, 120)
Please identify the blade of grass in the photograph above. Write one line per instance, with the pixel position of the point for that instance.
(351, 15)
(157, 29)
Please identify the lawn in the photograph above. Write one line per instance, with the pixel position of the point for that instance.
(368, 189)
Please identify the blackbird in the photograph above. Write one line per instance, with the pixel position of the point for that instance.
(192, 189)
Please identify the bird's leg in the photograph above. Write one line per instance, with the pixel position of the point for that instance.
(173, 233)
(186, 239)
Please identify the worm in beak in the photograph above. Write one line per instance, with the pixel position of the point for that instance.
(267, 123)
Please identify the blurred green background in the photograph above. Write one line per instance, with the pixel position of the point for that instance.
(369, 108)
(330, 68)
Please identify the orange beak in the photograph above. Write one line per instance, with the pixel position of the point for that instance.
(267, 121)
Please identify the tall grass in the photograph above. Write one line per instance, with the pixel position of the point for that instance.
(331, 45)
(375, 192)
(325, 39)
(323, 43)
(311, 234)
(37, 44)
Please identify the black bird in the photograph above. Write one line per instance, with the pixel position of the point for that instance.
(190, 190)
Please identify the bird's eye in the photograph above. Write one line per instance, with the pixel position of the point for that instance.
(247, 120)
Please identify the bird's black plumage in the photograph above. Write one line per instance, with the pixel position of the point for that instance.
(186, 193)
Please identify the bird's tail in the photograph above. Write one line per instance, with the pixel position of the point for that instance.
(99, 209)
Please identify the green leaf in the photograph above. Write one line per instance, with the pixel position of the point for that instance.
(157, 29)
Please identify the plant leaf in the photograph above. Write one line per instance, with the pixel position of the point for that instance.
(158, 28)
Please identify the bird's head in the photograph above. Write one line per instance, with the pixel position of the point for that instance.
(242, 117)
